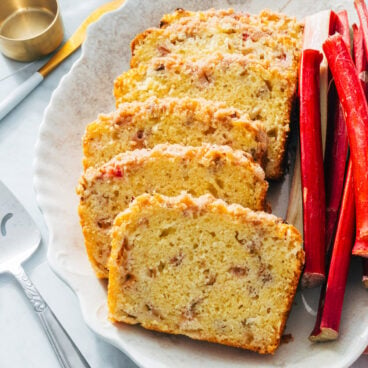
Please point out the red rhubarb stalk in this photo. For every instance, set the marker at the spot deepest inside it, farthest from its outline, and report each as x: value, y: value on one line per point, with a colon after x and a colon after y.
x: 342, y: 26
x: 355, y: 108
x: 362, y: 11
x: 332, y: 292
x: 316, y: 30
x: 337, y: 144
x: 311, y: 159
x: 360, y: 57
x: 328, y: 320
x: 361, y: 66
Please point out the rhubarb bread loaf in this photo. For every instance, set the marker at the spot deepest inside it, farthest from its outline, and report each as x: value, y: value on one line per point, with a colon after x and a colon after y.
x: 265, y: 93
x: 167, y: 169
x: 268, y: 37
x: 205, y: 269
x: 184, y: 121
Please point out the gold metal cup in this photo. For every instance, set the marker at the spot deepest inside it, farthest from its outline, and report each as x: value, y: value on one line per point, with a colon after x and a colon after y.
x: 29, y: 29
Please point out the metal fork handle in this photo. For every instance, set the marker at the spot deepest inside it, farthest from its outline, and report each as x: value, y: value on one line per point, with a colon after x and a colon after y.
x: 66, y: 351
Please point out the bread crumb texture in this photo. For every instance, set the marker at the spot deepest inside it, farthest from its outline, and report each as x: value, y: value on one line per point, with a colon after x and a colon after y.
x: 205, y: 269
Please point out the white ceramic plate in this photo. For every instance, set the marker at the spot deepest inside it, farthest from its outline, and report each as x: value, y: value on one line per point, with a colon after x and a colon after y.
x: 87, y: 91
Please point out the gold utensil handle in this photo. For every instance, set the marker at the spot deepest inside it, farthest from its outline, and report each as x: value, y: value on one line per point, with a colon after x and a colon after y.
x: 77, y: 38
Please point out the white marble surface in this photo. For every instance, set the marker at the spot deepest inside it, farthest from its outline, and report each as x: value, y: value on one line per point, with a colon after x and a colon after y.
x: 22, y: 342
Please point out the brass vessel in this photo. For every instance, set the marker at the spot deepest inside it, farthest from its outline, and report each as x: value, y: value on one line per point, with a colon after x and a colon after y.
x: 29, y: 29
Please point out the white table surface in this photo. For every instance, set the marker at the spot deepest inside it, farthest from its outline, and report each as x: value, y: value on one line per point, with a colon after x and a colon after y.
x: 22, y: 341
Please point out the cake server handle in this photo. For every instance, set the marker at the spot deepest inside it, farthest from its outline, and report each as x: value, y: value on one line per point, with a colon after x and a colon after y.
x: 20, y: 93
x: 66, y: 351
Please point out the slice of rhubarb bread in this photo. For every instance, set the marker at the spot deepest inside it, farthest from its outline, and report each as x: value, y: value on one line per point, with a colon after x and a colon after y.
x: 265, y: 93
x: 168, y: 169
x: 267, y: 37
x: 186, y: 121
x: 205, y: 269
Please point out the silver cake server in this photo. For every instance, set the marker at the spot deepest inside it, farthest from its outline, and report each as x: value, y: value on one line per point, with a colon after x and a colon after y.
x: 19, y: 238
